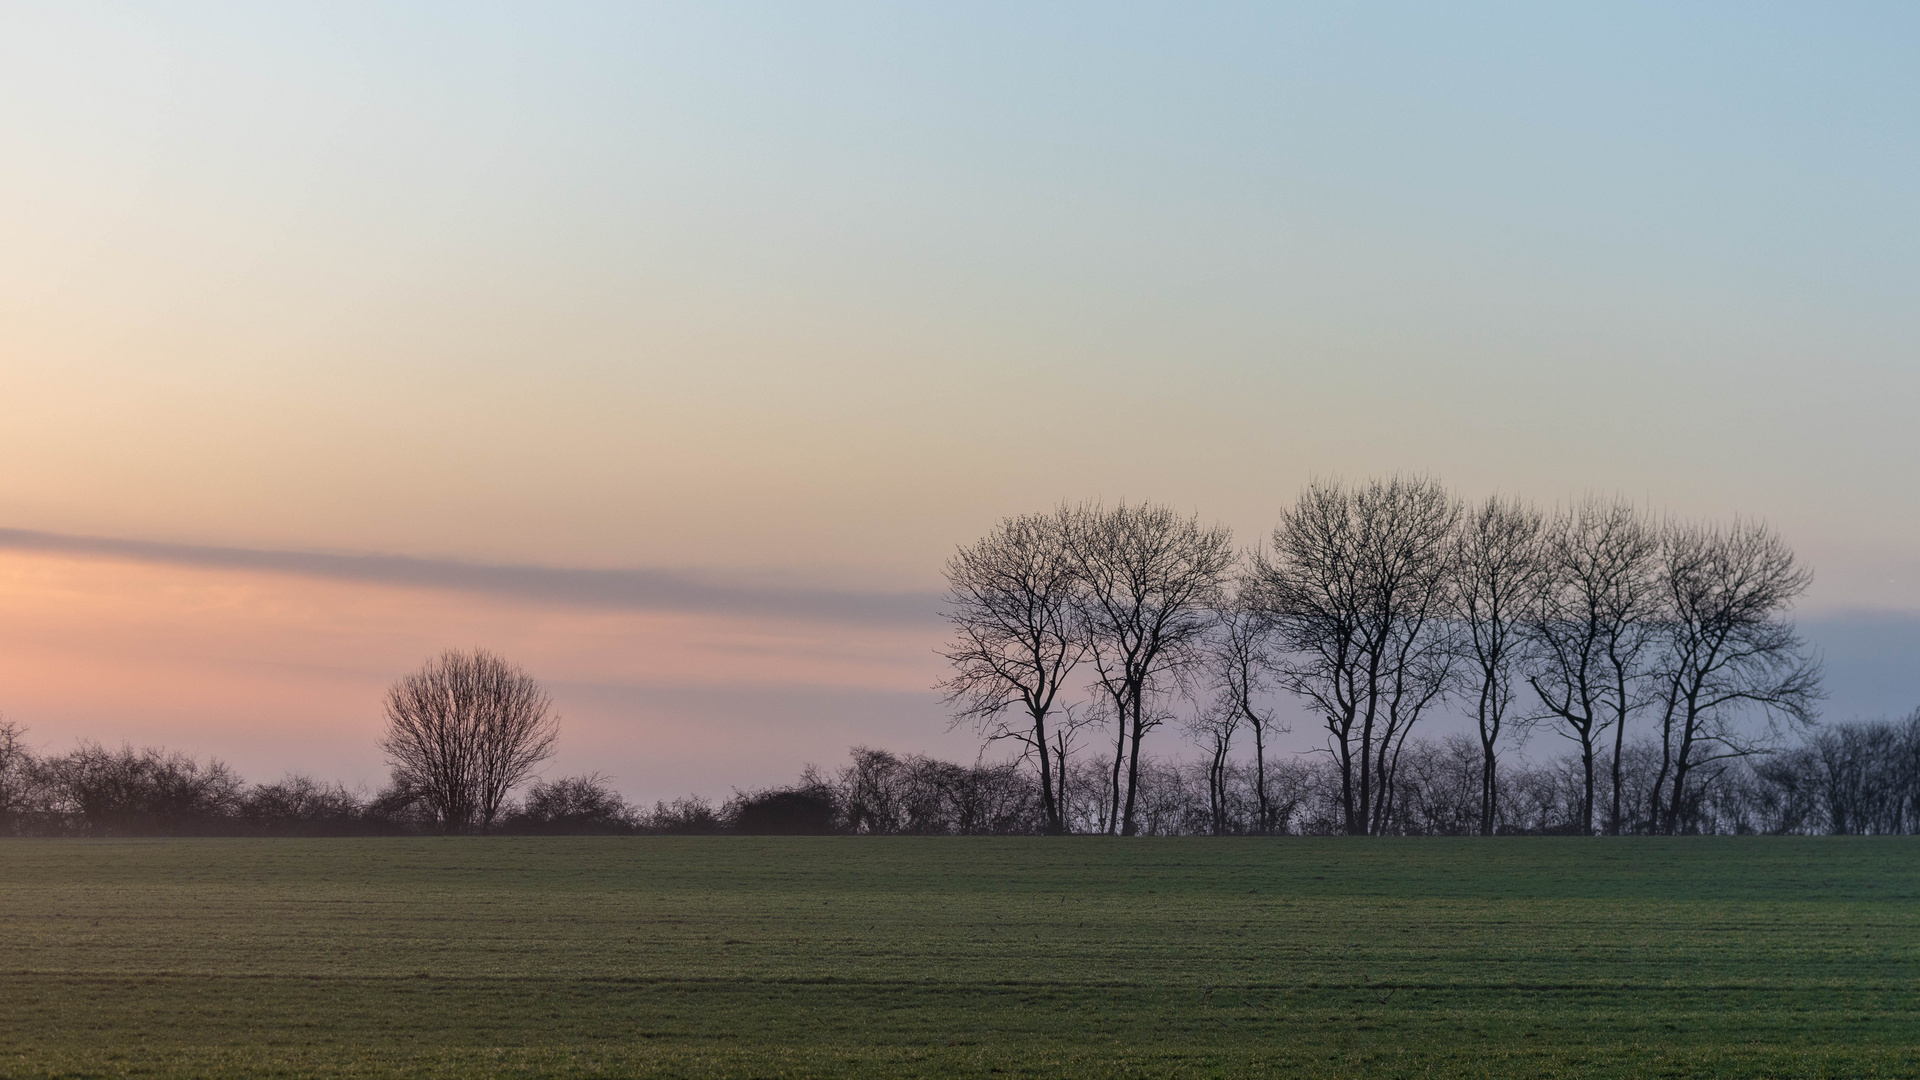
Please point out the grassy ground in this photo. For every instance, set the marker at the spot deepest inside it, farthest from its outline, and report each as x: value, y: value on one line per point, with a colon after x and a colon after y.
x: 886, y: 957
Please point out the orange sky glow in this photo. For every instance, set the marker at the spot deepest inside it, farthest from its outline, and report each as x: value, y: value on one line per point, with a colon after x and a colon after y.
x: 277, y: 672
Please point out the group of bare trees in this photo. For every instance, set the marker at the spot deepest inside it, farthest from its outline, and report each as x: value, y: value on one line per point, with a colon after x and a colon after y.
x: 1848, y: 779
x: 1373, y: 606
x: 1129, y: 593
x: 1660, y: 649
x: 1357, y: 591
x: 1855, y: 778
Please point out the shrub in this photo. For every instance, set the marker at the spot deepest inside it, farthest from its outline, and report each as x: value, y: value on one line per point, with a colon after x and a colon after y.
x: 691, y: 816
x: 808, y: 810
x: 573, y: 805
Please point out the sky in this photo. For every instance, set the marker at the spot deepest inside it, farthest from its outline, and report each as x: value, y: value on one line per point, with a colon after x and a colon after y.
x: 670, y: 350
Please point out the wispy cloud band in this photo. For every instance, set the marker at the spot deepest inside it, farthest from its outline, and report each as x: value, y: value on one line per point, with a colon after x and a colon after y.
x: 628, y: 589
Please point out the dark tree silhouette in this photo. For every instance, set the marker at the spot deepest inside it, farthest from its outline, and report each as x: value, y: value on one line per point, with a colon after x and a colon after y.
x: 16, y: 775
x: 463, y: 731
x: 1240, y: 659
x: 1590, y: 631
x: 1010, y: 601
x: 1150, y: 583
x: 1867, y: 776
x: 1358, y: 586
x: 1213, y: 727
x: 1727, y: 651
x: 1499, y: 566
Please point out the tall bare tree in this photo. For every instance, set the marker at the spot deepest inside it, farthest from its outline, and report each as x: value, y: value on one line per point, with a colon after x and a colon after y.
x: 1150, y: 583
x: 1010, y: 601
x: 464, y: 730
x: 1727, y: 652
x: 1358, y: 585
x: 1589, y: 632
x: 1500, y: 566
x: 1240, y: 658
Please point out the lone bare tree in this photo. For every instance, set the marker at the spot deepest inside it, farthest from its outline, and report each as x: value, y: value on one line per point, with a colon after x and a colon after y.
x: 1150, y: 583
x: 1728, y: 652
x: 1010, y: 601
x: 1358, y: 586
x: 1590, y: 630
x: 464, y: 730
x: 1499, y: 566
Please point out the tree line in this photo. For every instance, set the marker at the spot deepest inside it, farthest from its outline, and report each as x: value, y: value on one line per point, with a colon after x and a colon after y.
x: 1660, y: 650
x: 1374, y: 606
x: 463, y: 734
x: 1855, y: 779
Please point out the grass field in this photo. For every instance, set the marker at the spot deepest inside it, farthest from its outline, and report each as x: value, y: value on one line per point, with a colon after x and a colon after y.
x: 855, y: 956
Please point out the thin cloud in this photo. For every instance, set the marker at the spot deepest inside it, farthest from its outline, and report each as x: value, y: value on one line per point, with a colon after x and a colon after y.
x: 632, y: 590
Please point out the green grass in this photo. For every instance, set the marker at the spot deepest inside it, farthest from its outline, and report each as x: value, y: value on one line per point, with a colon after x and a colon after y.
x: 941, y: 957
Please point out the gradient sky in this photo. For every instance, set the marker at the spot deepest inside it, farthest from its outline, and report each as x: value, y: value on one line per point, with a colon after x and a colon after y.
x: 670, y: 350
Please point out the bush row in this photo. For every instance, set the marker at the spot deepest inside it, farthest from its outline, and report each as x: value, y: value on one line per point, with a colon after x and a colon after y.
x: 1844, y: 779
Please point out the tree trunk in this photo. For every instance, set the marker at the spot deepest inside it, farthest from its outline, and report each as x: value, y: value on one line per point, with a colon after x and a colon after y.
x: 1488, y: 736
x: 1488, y: 809
x: 1260, y: 777
x: 1364, y: 826
x: 1680, y: 769
x: 1586, y: 797
x: 1048, y: 803
x: 1060, y: 789
x: 1660, y: 778
x: 1346, y: 787
x: 1127, y: 827
x: 1614, y: 825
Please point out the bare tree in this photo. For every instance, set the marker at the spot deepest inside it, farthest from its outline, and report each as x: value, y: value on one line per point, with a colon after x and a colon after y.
x: 1150, y: 582
x: 1499, y: 568
x: 1212, y: 727
x: 1010, y: 601
x: 463, y: 731
x: 16, y: 773
x: 1357, y: 586
x: 1728, y: 652
x: 1066, y: 738
x: 1589, y: 631
x: 1240, y: 658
